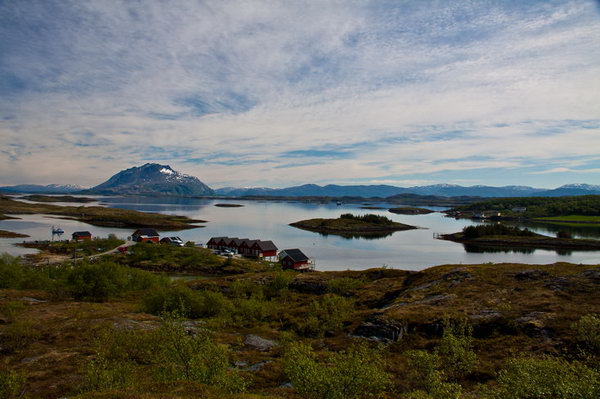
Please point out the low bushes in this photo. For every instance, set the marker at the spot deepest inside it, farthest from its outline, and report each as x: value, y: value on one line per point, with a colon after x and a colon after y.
x: 169, y: 354
x: 357, y: 373
x: 546, y: 377
x: 483, y: 230
x: 325, y: 314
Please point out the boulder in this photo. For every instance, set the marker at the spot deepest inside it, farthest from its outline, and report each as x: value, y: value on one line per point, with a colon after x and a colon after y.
x: 381, y: 329
x: 259, y: 343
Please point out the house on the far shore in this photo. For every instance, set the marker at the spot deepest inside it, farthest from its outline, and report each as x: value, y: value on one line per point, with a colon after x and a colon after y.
x: 294, y: 259
x: 81, y: 236
x: 145, y: 235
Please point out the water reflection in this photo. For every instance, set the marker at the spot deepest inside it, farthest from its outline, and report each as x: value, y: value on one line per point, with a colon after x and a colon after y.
x: 266, y: 220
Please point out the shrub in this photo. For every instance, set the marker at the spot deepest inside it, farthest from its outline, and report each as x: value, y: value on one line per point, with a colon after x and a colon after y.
x: 18, y: 335
x: 244, y: 289
x: 328, y: 313
x: 547, y: 377
x: 11, y: 272
x: 101, y: 374
x: 429, y: 379
x: 482, y: 230
x: 180, y: 299
x: 100, y: 281
x: 588, y: 332
x: 280, y: 283
x: 11, y: 384
x: 370, y: 218
x: 188, y: 357
x: 455, y: 350
x: 12, y: 310
x: 357, y: 373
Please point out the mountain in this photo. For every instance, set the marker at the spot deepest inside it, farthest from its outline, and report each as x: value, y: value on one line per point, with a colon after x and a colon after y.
x: 151, y: 178
x: 39, y: 189
x: 570, y: 189
x: 367, y: 191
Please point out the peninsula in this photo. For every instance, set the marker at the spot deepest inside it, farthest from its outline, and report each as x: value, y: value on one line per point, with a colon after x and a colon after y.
x: 100, y: 216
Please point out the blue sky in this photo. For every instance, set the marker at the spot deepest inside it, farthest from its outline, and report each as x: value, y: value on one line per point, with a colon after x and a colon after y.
x: 278, y: 93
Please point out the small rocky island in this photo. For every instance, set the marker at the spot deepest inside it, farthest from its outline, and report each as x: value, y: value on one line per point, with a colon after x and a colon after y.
x: 410, y: 210
x: 349, y: 225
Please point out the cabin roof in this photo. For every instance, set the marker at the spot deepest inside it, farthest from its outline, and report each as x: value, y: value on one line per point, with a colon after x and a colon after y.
x: 296, y: 255
x: 266, y: 245
x: 146, y: 231
x: 81, y: 234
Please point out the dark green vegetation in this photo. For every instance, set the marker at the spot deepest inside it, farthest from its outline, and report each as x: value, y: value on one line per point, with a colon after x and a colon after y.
x: 10, y: 234
x: 56, y: 198
x: 540, y: 207
x: 227, y: 205
x: 409, y: 210
x: 110, y: 330
x: 100, y: 216
x: 499, y: 235
x: 77, y: 248
x: 348, y: 225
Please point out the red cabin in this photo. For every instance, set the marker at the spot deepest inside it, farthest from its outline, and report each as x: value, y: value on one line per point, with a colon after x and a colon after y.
x: 213, y: 243
x: 263, y: 249
x: 293, y: 259
x: 145, y: 235
x: 82, y: 236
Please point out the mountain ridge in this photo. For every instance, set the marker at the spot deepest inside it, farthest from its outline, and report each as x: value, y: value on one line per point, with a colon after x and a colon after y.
x: 151, y: 179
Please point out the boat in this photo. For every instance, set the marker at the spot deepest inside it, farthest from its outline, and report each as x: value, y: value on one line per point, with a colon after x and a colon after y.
x: 339, y: 203
x: 57, y: 230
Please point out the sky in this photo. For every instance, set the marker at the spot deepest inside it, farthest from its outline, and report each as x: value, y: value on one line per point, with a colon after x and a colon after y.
x: 280, y: 93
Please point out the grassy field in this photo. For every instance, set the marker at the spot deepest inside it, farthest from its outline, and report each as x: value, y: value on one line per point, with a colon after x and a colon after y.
x: 100, y: 216
x: 571, y: 219
x: 107, y: 330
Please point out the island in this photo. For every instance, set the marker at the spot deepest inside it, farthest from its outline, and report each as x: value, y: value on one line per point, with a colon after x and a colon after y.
x: 226, y: 205
x: 348, y: 225
x: 491, y: 235
x: 56, y: 198
x: 100, y: 216
x: 410, y: 210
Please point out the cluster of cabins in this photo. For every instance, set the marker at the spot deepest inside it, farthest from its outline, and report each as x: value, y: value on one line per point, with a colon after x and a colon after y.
x: 289, y: 258
x: 140, y: 235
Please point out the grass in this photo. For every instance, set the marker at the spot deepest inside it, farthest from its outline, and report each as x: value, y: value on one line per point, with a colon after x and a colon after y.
x: 101, y: 216
x: 571, y: 219
x: 117, y: 349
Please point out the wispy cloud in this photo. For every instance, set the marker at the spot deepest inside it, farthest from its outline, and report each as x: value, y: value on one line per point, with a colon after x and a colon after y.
x: 277, y: 93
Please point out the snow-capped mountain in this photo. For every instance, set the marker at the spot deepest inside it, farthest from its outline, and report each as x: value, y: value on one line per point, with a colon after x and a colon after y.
x: 571, y: 189
x: 152, y: 178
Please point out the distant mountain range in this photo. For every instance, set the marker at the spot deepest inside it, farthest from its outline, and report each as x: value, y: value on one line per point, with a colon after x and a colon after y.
x: 156, y: 179
x: 151, y: 179
x: 442, y: 190
x: 39, y: 189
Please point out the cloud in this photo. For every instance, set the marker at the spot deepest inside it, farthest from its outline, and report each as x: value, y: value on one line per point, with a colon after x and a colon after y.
x: 279, y: 93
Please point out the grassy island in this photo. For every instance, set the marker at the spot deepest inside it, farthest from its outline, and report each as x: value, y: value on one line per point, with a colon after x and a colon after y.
x: 227, y: 205
x: 349, y: 225
x: 107, y: 330
x: 507, y: 236
x: 410, y: 210
x: 100, y: 216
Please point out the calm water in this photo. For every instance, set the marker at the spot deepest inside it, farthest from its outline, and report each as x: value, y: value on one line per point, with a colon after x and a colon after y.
x: 266, y: 220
